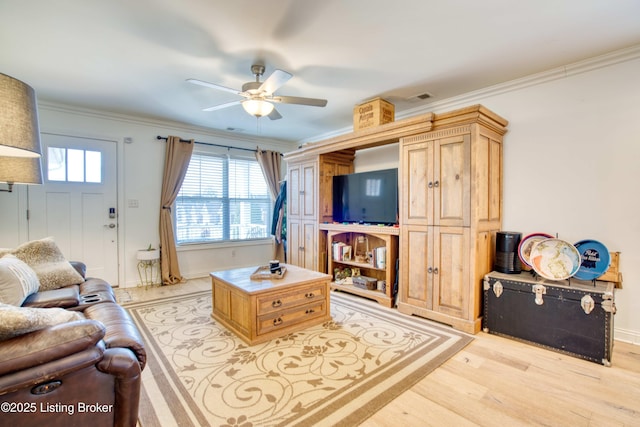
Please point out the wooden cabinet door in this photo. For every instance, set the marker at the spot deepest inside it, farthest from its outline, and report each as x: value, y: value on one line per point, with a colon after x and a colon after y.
x: 295, y: 241
x: 309, y: 248
x: 451, y: 181
x: 416, y: 202
x: 436, y: 180
x: 301, y: 242
x: 293, y: 191
x: 301, y: 187
x: 308, y: 192
x: 450, y: 271
x: 416, y: 284
x: 435, y: 269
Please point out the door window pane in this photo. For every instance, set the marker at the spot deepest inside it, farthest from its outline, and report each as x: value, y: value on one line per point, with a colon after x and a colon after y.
x: 74, y: 165
x: 94, y: 166
x: 56, y: 164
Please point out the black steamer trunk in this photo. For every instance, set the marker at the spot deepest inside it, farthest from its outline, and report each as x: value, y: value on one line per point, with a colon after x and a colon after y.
x: 570, y: 316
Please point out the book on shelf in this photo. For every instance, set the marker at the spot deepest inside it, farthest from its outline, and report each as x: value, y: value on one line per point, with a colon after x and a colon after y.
x: 341, y: 251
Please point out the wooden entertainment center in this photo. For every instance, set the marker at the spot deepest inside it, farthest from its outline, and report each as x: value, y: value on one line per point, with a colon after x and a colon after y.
x: 450, y: 203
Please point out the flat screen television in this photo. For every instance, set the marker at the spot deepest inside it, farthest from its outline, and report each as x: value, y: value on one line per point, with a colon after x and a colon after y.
x: 366, y: 197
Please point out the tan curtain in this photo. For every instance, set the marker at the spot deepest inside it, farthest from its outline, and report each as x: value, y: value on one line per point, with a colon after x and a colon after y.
x: 271, y: 164
x: 176, y: 162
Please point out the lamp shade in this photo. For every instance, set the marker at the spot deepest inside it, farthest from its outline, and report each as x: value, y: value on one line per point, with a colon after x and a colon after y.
x: 20, y: 170
x: 257, y: 107
x: 19, y: 130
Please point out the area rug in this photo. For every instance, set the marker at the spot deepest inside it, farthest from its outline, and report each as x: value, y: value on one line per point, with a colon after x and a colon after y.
x: 337, y: 373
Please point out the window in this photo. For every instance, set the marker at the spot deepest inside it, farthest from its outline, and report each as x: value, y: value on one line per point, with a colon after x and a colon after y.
x: 73, y: 165
x: 223, y: 198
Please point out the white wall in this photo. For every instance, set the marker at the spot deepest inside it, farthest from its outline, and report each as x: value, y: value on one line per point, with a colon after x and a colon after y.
x: 140, y: 166
x: 571, y: 158
x: 570, y: 167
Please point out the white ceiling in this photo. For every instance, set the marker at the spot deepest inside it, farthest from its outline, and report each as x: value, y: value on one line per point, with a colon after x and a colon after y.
x: 133, y: 56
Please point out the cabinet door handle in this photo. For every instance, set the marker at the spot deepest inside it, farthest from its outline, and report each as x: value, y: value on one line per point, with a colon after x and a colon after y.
x: 301, y: 248
x: 309, y: 295
x: 277, y: 321
x: 301, y: 193
x: 435, y: 270
x: 310, y: 311
x: 429, y: 270
x: 276, y: 303
x: 436, y: 184
x: 430, y: 184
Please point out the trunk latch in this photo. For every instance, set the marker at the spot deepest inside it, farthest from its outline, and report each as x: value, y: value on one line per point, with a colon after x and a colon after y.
x: 539, y: 290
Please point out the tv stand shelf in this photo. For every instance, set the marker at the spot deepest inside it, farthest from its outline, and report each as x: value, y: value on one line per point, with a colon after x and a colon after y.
x: 362, y: 228
x: 375, y: 237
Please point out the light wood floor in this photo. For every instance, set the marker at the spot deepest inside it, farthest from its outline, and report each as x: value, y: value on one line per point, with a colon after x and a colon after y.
x: 496, y: 381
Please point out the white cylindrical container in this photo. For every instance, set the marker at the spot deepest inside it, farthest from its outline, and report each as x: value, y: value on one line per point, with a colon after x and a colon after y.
x: 381, y: 257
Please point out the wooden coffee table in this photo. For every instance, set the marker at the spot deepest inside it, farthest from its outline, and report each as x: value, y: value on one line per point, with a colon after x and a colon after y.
x: 260, y: 310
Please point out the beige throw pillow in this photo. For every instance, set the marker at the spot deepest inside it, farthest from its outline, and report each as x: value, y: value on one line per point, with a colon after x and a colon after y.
x: 49, y: 264
x: 17, y: 280
x: 15, y: 321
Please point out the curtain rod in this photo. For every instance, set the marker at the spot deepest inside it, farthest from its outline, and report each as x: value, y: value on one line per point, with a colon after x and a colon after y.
x: 211, y: 144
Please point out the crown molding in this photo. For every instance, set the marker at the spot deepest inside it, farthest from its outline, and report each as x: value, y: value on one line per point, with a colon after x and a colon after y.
x: 475, y: 97
x: 163, y: 125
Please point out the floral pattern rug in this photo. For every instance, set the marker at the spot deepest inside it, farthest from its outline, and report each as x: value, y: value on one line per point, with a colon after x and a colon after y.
x: 337, y: 373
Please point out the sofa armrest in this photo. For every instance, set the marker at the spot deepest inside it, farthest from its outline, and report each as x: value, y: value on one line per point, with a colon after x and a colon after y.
x: 48, y: 344
x: 66, y: 297
x: 123, y: 365
x: 121, y: 331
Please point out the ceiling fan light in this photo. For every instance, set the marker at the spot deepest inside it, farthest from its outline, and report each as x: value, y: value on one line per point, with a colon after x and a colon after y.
x: 257, y: 107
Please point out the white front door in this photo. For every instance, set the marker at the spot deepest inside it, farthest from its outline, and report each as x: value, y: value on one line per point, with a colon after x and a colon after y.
x: 77, y: 205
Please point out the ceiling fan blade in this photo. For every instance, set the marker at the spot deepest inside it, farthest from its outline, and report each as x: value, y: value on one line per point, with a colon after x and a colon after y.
x: 275, y: 81
x: 213, y: 86
x: 314, y: 102
x: 274, y: 115
x: 221, y: 106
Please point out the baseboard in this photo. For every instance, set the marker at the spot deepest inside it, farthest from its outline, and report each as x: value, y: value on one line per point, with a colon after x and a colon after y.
x: 626, y: 335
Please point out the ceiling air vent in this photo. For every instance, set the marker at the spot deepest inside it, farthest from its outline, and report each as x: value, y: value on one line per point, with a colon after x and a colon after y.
x: 420, y: 97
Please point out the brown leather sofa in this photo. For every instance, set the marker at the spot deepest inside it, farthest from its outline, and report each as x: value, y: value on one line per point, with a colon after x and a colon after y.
x: 81, y: 373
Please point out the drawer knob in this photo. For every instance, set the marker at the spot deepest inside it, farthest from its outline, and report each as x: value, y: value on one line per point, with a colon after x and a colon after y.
x: 309, y: 295
x: 310, y: 311
x: 276, y: 303
x: 277, y: 321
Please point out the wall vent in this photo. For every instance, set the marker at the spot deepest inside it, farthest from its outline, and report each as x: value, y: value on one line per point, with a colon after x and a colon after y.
x: 420, y: 97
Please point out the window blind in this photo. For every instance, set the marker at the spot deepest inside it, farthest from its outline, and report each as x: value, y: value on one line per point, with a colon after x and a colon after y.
x: 223, y: 198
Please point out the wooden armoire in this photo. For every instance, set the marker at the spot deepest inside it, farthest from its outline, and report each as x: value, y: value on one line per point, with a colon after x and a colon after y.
x: 450, y: 207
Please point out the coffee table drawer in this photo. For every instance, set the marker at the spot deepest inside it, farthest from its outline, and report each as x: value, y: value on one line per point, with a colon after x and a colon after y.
x: 291, y: 317
x: 298, y: 296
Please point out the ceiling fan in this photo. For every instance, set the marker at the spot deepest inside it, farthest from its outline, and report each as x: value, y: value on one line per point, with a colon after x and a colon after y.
x: 259, y: 96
